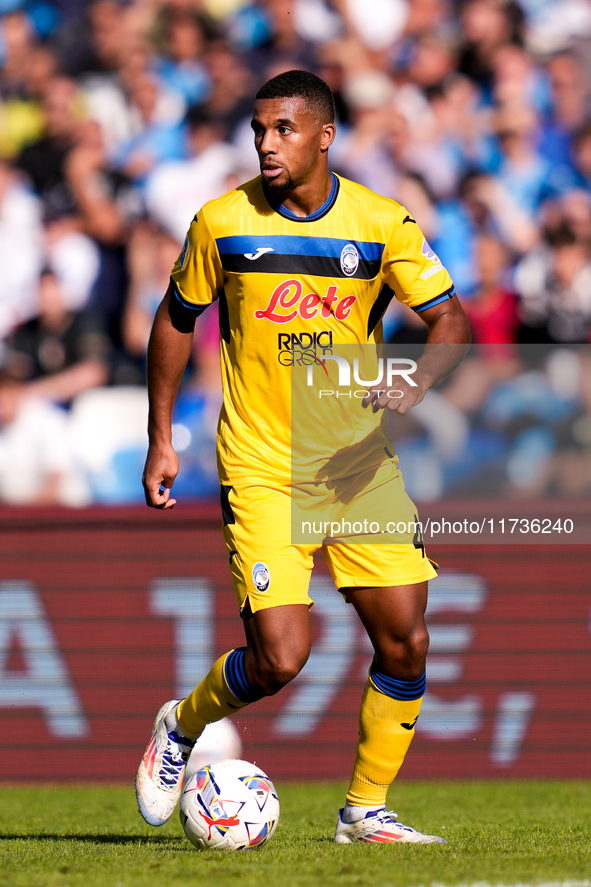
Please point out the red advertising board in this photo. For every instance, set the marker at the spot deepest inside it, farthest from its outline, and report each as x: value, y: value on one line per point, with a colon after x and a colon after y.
x: 105, y: 614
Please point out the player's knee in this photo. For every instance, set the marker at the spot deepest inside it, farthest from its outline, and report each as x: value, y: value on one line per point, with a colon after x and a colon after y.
x: 273, y: 674
x: 418, y: 643
x: 405, y: 656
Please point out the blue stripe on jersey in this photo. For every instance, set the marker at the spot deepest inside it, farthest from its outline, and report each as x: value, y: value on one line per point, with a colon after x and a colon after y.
x: 435, y: 301
x: 294, y: 245
x: 404, y: 690
x: 198, y: 309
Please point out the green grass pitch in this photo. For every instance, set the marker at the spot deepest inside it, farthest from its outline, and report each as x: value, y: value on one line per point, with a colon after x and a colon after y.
x: 498, y: 832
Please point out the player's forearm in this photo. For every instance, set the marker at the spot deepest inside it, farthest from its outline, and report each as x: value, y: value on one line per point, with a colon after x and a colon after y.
x: 169, y: 350
x: 447, y: 344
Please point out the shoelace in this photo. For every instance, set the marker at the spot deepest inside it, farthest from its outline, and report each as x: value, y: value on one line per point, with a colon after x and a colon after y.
x: 173, y: 762
x: 389, y: 816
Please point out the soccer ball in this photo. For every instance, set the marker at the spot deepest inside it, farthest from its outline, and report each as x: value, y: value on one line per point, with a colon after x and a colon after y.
x: 230, y: 805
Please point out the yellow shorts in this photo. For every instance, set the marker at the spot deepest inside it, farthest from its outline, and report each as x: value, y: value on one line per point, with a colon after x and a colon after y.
x: 269, y: 570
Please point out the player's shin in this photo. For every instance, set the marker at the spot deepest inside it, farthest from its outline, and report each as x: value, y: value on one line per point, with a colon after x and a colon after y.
x: 224, y: 691
x: 389, y: 711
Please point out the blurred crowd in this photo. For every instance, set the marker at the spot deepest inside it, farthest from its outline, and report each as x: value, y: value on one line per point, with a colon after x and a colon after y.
x: 120, y: 118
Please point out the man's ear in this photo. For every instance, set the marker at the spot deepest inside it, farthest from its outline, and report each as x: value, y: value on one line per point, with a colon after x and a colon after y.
x: 328, y: 134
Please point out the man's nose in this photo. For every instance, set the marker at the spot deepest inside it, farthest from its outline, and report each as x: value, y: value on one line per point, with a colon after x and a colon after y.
x: 268, y: 143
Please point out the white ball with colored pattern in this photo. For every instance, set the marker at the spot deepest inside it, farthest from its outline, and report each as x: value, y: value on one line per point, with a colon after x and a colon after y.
x: 230, y: 805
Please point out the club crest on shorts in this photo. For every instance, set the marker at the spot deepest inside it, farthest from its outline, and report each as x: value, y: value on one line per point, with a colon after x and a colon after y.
x: 349, y: 259
x: 261, y: 576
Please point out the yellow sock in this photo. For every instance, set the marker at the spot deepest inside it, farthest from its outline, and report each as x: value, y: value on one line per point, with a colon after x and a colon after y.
x: 383, y: 743
x: 210, y: 701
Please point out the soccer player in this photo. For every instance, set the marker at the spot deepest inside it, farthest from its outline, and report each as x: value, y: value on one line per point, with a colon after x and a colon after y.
x: 297, y: 249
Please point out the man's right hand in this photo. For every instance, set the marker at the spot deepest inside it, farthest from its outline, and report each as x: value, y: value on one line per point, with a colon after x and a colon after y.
x: 161, y: 469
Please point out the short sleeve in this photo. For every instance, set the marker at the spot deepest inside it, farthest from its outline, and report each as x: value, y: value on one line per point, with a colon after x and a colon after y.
x: 197, y: 276
x: 412, y: 269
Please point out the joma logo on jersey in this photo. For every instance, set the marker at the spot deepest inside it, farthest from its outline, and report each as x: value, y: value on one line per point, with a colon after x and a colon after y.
x: 303, y: 348
x: 287, y: 302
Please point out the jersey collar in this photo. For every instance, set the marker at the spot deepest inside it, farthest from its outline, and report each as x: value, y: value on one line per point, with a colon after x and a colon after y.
x: 322, y: 211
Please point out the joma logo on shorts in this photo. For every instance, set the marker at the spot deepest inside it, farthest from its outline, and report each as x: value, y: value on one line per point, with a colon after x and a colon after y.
x: 287, y: 302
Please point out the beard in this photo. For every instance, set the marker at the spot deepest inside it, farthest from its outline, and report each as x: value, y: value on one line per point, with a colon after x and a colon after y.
x: 277, y: 188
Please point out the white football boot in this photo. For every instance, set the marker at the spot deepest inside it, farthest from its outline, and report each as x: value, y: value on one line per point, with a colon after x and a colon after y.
x: 380, y: 827
x: 159, y: 779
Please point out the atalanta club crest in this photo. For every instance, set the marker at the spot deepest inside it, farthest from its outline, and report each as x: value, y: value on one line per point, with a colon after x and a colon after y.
x: 261, y: 576
x: 349, y: 260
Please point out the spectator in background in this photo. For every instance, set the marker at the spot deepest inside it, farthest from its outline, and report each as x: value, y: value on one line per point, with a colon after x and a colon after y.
x: 44, y: 160
x: 431, y: 62
x: 554, y: 287
x: 575, y: 206
x: 284, y: 47
x: 492, y: 207
x: 18, y: 41
x: 522, y: 172
x: 362, y: 153
x: 434, y: 150
x: 37, y: 464
x: 58, y: 353
x: 25, y: 70
x: 106, y: 43
x: 518, y: 83
x: 175, y: 191
x: 426, y: 17
x: 151, y: 255
x: 484, y: 207
x: 155, y: 116
x: 110, y: 35
x: 106, y: 205
x: 74, y: 258
x: 492, y: 310
x: 487, y: 25
x: 569, y: 108
x: 229, y: 98
x: 582, y: 156
x: 102, y: 197
x: 571, y: 210
x: 180, y: 66
x: 21, y: 257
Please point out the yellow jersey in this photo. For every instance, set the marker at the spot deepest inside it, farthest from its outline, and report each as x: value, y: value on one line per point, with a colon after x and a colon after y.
x: 290, y: 289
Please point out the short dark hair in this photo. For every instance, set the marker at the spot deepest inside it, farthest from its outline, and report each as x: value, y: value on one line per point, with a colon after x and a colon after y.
x: 302, y: 84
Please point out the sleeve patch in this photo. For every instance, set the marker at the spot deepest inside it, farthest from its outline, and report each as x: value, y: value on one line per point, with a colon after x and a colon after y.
x: 183, y: 255
x: 429, y: 254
